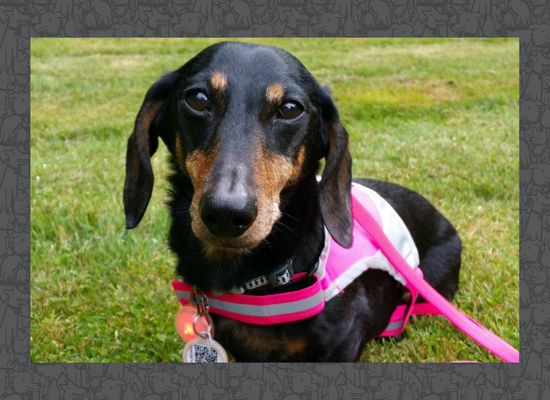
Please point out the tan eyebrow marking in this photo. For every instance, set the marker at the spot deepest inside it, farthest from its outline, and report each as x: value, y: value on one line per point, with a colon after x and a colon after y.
x: 274, y: 93
x: 218, y: 80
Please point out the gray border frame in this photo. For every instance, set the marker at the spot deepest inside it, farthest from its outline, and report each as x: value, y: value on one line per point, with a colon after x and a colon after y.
x: 529, y: 20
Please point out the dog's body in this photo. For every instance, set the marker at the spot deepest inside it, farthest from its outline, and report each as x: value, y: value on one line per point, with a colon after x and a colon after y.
x: 246, y: 127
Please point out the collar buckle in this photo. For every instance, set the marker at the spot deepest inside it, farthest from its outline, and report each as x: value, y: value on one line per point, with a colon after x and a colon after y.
x: 279, y: 279
x: 281, y: 276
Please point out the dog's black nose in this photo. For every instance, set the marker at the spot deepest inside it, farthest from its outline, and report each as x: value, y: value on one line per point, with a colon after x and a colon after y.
x: 228, y: 215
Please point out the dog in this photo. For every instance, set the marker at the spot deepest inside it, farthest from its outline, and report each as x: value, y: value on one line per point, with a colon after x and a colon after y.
x: 247, y: 126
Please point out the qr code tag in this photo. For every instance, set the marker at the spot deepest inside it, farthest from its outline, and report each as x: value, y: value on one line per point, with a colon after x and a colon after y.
x: 204, y: 350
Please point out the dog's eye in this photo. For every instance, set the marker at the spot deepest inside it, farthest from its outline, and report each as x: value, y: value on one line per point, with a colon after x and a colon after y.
x: 198, y: 100
x: 290, y: 110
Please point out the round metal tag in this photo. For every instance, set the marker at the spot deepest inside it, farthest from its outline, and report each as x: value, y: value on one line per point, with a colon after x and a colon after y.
x: 204, y: 350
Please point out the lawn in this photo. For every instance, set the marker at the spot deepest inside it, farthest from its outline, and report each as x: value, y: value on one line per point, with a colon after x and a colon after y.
x: 439, y: 116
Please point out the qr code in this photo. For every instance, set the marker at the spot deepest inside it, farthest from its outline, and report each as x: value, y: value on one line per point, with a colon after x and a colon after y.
x: 205, y: 354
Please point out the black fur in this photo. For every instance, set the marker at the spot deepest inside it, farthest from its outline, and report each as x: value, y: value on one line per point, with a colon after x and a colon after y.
x: 238, y: 121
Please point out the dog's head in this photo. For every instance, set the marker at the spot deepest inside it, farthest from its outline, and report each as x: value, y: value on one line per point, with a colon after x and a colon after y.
x: 244, y: 123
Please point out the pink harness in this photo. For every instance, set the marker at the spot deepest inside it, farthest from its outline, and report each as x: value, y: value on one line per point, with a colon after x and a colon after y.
x: 380, y: 241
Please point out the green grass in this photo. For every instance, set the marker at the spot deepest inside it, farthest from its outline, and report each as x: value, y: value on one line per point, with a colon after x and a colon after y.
x: 439, y: 116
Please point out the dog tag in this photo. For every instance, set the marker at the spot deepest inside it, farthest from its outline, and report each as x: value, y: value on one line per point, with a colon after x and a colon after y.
x: 204, y: 350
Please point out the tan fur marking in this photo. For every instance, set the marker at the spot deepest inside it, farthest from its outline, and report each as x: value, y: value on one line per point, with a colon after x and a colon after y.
x: 297, y: 165
x: 272, y: 173
x: 179, y: 152
x: 198, y: 165
x: 218, y: 80
x: 261, y: 341
x: 295, y: 346
x: 258, y: 340
x: 275, y: 93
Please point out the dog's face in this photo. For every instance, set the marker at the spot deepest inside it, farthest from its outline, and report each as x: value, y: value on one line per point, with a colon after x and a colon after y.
x: 244, y: 123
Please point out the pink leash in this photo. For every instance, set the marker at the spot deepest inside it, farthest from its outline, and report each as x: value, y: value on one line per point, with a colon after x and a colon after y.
x: 466, y: 324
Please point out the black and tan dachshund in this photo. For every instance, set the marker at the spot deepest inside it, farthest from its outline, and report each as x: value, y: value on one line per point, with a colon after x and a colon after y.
x: 247, y: 126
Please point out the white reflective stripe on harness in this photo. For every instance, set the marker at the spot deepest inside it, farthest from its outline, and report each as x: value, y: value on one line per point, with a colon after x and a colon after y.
x: 393, y: 326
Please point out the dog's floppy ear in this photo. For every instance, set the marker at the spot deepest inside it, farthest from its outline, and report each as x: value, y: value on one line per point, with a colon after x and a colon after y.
x: 335, y: 185
x: 142, y: 144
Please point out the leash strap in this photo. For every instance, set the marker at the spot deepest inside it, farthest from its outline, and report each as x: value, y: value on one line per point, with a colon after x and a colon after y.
x: 466, y: 324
